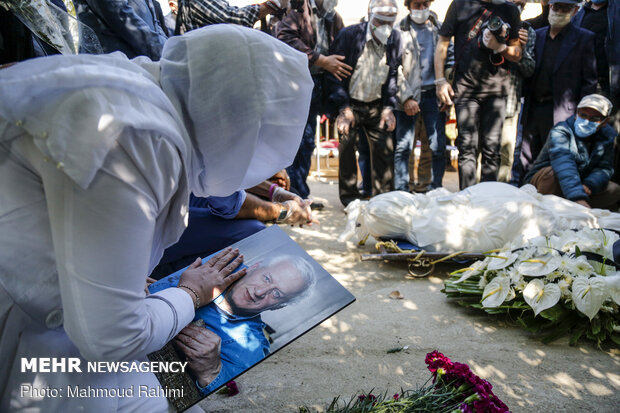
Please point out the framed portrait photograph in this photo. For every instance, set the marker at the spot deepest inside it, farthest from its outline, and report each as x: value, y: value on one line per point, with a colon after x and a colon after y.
x: 284, y: 294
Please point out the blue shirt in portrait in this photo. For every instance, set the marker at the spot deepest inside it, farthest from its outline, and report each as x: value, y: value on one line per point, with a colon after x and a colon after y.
x: 243, y: 340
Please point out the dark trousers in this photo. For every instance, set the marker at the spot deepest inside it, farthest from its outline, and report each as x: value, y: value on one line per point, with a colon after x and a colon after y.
x: 479, y: 121
x: 546, y: 182
x: 536, y: 126
x: 300, y: 168
x: 367, y: 119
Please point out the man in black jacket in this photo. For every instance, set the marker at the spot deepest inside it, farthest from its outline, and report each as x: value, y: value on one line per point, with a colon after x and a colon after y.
x: 565, y: 72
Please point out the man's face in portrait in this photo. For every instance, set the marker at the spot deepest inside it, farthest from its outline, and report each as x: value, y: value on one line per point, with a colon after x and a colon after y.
x: 265, y: 288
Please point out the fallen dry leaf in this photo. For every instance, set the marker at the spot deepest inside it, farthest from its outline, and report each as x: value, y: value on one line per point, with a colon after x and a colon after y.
x: 395, y: 295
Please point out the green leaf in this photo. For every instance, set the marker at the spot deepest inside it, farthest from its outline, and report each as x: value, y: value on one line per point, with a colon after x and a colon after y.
x: 577, y: 335
x: 596, y: 325
x: 555, y: 313
x: 577, y: 251
x: 615, y: 338
x: 608, y: 324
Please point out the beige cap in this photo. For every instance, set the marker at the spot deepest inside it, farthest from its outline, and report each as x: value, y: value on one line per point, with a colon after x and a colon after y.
x: 597, y: 102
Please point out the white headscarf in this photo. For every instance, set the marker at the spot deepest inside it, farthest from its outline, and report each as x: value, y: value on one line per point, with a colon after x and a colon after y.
x: 233, y: 100
x: 248, y: 118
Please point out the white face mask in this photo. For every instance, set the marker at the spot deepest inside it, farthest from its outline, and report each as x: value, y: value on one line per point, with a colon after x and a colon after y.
x: 558, y: 20
x: 498, y: 1
x: 420, y: 16
x: 382, y: 33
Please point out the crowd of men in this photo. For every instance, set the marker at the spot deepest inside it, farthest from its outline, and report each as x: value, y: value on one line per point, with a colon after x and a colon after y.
x: 510, y: 81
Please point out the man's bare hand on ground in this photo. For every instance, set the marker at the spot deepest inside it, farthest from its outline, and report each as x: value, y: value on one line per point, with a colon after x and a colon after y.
x: 201, y: 346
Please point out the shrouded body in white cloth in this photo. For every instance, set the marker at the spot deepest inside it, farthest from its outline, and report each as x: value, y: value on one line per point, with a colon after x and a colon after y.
x: 480, y: 218
x: 98, y: 155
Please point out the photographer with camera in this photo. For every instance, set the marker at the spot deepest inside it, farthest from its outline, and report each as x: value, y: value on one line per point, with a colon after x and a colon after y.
x: 486, y: 36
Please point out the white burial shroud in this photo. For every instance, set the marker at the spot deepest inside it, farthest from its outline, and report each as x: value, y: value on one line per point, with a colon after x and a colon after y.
x: 480, y: 218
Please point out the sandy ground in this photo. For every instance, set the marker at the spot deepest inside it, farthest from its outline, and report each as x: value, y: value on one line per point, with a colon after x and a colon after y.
x: 347, y: 355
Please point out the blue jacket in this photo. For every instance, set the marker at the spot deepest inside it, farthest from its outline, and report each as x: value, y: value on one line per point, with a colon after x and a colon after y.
x: 573, y: 163
x: 135, y: 27
x: 574, y: 73
x: 350, y: 43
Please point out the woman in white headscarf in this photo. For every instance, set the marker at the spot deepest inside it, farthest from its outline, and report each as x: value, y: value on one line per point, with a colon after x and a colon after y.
x: 98, y: 155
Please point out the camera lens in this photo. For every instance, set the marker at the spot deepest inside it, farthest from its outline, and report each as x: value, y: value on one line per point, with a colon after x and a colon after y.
x: 495, y: 24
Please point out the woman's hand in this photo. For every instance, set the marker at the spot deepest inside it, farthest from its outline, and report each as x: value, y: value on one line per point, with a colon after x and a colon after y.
x: 210, y: 279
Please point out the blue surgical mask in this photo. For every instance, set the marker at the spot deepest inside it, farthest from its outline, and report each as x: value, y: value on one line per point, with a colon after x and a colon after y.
x: 585, y: 128
x: 599, y: 1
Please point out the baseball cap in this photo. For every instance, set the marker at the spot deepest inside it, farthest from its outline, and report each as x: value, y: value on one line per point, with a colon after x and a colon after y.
x: 597, y: 102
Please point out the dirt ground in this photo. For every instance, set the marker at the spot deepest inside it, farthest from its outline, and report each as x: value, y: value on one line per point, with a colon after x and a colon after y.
x: 346, y: 355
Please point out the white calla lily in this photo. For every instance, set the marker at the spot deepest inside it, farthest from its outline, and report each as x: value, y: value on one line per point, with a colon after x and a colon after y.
x: 501, y: 260
x: 539, y: 266
x: 579, y: 266
x: 589, y: 294
x: 613, y: 286
x: 540, y: 241
x: 476, y: 268
x: 541, y: 296
x: 495, y: 292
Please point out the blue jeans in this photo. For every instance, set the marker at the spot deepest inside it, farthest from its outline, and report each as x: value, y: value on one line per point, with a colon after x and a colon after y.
x: 434, y: 122
x: 300, y: 168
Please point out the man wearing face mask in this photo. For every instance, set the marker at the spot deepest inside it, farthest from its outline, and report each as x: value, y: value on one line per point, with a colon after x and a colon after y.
x: 312, y: 32
x: 419, y: 32
x: 481, y: 79
x: 366, y: 99
x: 565, y: 72
x: 577, y: 160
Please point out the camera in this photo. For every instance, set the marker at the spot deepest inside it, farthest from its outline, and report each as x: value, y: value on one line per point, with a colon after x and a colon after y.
x: 496, y: 26
x: 297, y: 5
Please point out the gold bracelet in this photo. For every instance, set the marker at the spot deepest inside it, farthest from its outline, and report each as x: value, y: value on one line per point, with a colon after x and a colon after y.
x: 197, y: 303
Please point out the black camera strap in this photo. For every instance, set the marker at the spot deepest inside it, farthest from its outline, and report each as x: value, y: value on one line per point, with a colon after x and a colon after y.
x: 475, y: 29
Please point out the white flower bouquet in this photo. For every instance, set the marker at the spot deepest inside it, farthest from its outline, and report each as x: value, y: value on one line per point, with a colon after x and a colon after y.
x: 567, y: 283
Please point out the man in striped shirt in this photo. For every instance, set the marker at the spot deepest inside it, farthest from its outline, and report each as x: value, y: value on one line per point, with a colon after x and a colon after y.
x: 194, y: 14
